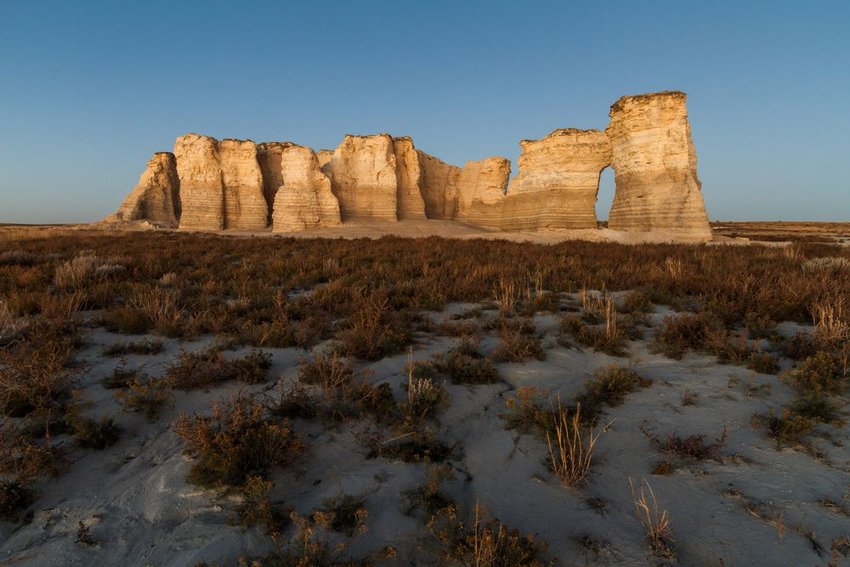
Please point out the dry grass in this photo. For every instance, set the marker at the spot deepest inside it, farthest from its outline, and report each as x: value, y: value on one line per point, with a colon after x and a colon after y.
x: 237, y: 442
x: 571, y: 448
x: 655, y: 521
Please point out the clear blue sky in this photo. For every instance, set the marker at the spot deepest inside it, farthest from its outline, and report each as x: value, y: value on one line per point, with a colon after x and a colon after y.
x: 88, y: 90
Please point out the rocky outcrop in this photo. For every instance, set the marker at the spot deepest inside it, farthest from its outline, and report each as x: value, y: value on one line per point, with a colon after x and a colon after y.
x: 438, y: 186
x: 563, y: 170
x: 201, y: 187
x: 156, y: 196
x: 409, y: 202
x: 655, y: 167
x: 304, y: 199
x: 236, y: 184
x: 480, y: 185
x: 269, y: 157
x: 324, y: 157
x: 364, y: 179
x: 245, y: 206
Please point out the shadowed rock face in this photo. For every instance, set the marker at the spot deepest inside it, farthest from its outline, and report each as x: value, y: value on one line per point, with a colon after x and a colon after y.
x: 269, y: 157
x: 304, y: 199
x: 156, y: 196
x: 201, y: 187
x: 409, y: 202
x: 438, y: 185
x: 363, y: 177
x: 655, y: 167
x: 212, y: 185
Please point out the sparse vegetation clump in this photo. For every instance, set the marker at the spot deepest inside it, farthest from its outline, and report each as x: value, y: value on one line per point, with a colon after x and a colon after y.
x: 209, y: 368
x: 145, y: 346
x: 487, y: 543
x: 609, y: 387
x: 237, y: 442
x: 145, y: 395
x: 655, y: 521
x: 518, y: 342
x: 465, y: 365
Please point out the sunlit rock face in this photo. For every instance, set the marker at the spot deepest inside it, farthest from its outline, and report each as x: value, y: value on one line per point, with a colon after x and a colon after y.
x: 236, y: 184
x: 409, y: 201
x: 201, y: 186
x: 304, y: 199
x: 156, y: 196
x: 245, y: 206
x: 655, y: 167
x: 364, y: 179
x: 563, y: 170
x: 480, y: 185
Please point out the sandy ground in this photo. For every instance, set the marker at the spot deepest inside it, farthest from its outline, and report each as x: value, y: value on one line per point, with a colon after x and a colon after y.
x: 406, y: 229
x: 140, y: 510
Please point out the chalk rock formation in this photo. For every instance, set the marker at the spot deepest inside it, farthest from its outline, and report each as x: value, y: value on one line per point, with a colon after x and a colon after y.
x: 269, y: 156
x: 655, y: 167
x: 211, y: 185
x: 364, y: 179
x: 244, y: 204
x: 409, y: 202
x: 480, y: 185
x: 438, y: 186
x: 324, y: 157
x: 156, y: 196
x: 564, y: 168
x: 304, y: 198
x: 201, y: 187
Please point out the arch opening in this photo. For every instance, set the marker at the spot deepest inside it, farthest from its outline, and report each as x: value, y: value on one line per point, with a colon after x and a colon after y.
x: 604, y: 195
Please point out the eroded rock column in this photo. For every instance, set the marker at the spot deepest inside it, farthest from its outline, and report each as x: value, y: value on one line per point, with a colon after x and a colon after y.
x: 245, y: 206
x: 156, y: 196
x: 561, y: 173
x: 304, y: 199
x: 438, y: 186
x: 655, y: 168
x: 409, y: 202
x: 201, y: 187
x: 364, y: 179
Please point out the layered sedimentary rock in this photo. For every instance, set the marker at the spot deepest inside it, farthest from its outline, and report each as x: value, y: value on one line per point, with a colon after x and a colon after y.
x: 269, y: 157
x: 655, y: 167
x: 563, y: 170
x: 304, y: 199
x: 409, y: 202
x: 480, y: 185
x: 364, y: 179
x: 201, y: 187
x: 438, y: 186
x: 212, y: 185
x: 245, y: 206
x: 156, y: 196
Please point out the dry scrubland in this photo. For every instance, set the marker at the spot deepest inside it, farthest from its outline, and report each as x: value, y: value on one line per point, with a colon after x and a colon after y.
x: 179, y: 399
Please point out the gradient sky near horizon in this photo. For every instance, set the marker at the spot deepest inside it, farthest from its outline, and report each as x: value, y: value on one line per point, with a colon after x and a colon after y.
x: 88, y: 90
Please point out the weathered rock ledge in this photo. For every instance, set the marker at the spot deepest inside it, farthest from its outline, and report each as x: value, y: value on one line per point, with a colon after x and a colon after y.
x: 213, y: 185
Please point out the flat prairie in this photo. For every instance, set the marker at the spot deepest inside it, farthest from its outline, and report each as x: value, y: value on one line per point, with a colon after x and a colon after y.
x: 172, y: 398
